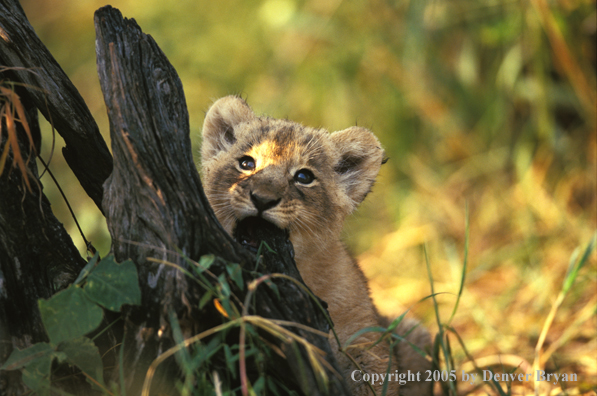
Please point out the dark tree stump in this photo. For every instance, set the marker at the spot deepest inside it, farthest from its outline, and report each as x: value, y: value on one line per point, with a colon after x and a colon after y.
x: 37, y: 256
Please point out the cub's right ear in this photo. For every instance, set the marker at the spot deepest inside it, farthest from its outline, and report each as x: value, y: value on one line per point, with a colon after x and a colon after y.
x: 220, y: 120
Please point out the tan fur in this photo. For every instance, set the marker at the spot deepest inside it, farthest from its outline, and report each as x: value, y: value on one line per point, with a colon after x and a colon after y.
x: 345, y: 165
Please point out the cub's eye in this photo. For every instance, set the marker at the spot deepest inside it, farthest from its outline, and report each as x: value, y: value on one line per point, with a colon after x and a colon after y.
x: 246, y: 163
x: 304, y: 176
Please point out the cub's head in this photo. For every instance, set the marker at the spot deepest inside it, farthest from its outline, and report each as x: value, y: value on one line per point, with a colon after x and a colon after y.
x: 301, y: 179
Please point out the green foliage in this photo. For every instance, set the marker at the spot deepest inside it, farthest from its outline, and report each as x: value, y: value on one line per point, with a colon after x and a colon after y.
x: 83, y: 353
x: 70, y: 314
x: 36, y: 362
x: 576, y: 265
x: 112, y: 284
x: 210, y: 362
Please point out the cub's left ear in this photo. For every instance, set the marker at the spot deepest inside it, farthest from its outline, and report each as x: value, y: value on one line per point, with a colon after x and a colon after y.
x: 219, y: 132
x: 360, y: 157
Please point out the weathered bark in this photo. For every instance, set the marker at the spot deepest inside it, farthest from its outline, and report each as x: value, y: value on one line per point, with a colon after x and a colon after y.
x: 155, y: 204
x: 37, y: 256
x: 56, y: 97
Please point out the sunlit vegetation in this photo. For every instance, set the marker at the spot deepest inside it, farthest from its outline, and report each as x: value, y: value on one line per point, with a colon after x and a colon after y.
x: 488, y: 105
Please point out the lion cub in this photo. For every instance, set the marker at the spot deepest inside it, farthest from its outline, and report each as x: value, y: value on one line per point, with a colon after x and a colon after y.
x: 306, y: 181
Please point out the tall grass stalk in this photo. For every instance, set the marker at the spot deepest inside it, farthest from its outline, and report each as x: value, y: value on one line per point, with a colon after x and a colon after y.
x: 574, y: 267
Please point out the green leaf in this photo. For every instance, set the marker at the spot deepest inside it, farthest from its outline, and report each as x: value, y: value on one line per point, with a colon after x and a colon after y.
x: 88, y: 268
x: 372, y: 329
x: 224, y: 286
x: 395, y: 323
x: 182, y: 356
x: 236, y: 274
x: 111, y: 284
x: 207, y: 297
x: 273, y: 286
x: 37, y: 375
x: 205, y: 262
x: 204, y: 352
x: 21, y: 358
x: 83, y: 353
x: 36, y: 362
x: 464, y: 262
x: 69, y: 314
x: 575, y: 266
x: 259, y: 385
x: 230, y: 360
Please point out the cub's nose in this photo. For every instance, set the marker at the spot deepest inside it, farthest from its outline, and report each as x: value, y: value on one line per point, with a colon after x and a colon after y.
x: 263, y: 203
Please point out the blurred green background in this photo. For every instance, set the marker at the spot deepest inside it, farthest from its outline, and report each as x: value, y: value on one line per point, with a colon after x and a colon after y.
x: 487, y: 103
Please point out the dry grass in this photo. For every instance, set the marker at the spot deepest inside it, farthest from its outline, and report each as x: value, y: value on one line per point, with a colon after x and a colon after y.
x: 524, y: 227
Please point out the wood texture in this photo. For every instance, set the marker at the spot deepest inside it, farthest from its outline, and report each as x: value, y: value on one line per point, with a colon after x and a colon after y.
x: 37, y: 256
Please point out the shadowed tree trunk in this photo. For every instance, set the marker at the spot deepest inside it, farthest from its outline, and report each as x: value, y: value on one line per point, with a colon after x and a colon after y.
x: 155, y: 207
x: 37, y: 256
